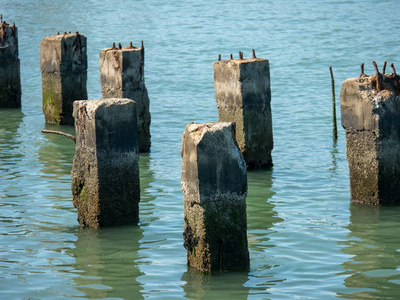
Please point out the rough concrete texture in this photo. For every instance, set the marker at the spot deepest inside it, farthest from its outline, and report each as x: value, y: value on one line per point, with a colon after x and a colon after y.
x: 214, y: 185
x: 122, y: 76
x: 105, y: 173
x: 63, y: 62
x: 243, y: 95
x: 10, y: 80
x: 371, y: 118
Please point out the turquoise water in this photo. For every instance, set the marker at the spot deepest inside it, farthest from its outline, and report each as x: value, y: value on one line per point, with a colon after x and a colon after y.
x: 305, y: 238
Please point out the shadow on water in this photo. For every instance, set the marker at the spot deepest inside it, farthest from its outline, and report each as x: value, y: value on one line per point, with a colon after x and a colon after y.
x: 261, y: 218
x: 374, y: 243
x: 105, y: 262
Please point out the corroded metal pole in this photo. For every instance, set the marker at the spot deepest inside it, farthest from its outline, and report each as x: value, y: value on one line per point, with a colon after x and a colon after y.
x: 335, y: 134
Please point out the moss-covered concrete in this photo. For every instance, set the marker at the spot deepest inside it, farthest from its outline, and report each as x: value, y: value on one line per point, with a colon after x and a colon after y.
x: 105, y: 180
x: 214, y: 185
x: 122, y: 76
x: 371, y: 118
x: 243, y: 95
x: 63, y: 63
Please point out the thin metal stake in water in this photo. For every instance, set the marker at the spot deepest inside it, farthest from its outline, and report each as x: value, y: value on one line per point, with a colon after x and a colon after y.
x: 335, y: 135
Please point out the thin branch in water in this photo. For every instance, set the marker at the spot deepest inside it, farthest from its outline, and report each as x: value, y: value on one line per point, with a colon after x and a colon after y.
x: 60, y: 133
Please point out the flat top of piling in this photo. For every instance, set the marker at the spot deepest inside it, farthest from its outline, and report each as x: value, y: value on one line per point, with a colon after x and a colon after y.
x: 107, y: 101
x: 123, y: 49
x: 241, y: 61
x: 62, y: 36
x: 210, y: 126
x: 198, y: 130
x: 389, y: 83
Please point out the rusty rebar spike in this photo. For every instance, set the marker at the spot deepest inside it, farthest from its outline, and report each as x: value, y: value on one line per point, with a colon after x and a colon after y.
x: 362, y: 74
x: 113, y: 46
x: 130, y: 44
x: 58, y: 33
x: 219, y: 57
x: 231, y: 57
x: 376, y: 67
x: 77, y: 33
x: 65, y: 32
x: 119, y: 46
x: 240, y: 55
x: 384, y: 68
x: 141, y: 45
x: 378, y: 76
x: 394, y: 70
x: 254, y: 53
x: 69, y: 32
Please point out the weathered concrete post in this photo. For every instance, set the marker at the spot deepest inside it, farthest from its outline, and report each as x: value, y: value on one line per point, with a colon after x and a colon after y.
x: 122, y: 76
x: 63, y: 62
x: 105, y: 173
x: 243, y: 95
x: 370, y: 108
x: 214, y: 185
x: 10, y: 81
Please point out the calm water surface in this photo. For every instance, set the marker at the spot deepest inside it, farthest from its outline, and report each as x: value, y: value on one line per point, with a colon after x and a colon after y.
x: 305, y: 238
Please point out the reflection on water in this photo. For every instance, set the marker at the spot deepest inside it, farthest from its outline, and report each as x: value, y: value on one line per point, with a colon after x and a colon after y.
x: 300, y: 257
x: 105, y: 262
x: 205, y: 286
x: 374, y: 243
x: 10, y: 120
x: 261, y: 215
x: 334, y: 154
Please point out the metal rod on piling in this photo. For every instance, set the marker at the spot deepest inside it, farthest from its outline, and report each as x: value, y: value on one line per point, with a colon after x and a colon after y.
x: 335, y: 134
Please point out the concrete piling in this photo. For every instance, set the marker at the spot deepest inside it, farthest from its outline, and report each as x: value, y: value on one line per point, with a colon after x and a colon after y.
x: 63, y: 62
x: 214, y: 185
x: 243, y: 95
x: 105, y: 173
x: 122, y: 76
x: 10, y: 81
x: 370, y: 109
